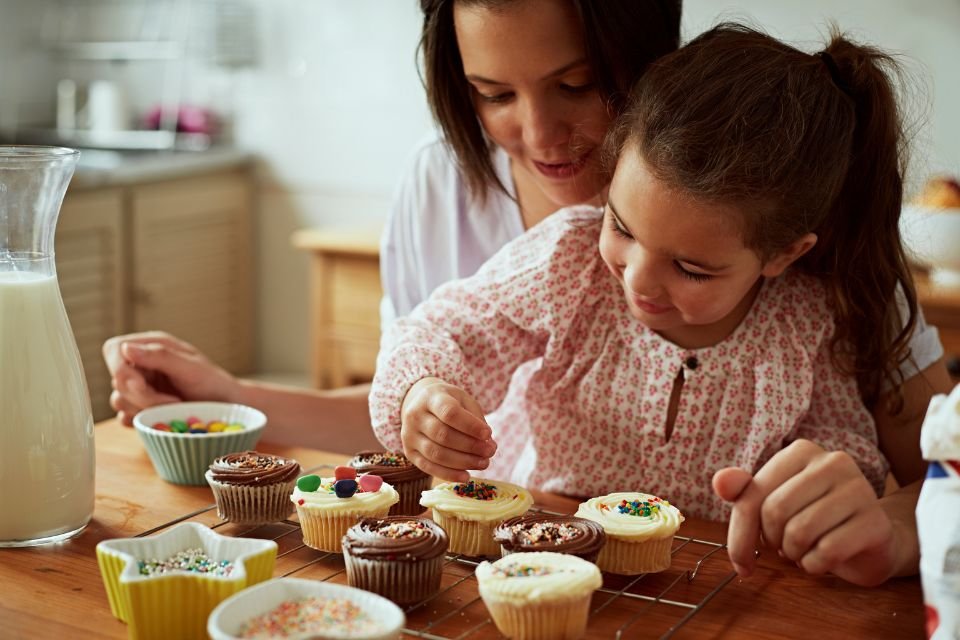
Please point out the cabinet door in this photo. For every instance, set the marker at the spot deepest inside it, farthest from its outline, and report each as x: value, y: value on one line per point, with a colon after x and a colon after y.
x: 89, y: 255
x: 192, y: 269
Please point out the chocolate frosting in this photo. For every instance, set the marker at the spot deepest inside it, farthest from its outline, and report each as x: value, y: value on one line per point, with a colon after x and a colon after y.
x: 392, y: 466
x: 402, y: 538
x: 250, y: 467
x: 541, y: 532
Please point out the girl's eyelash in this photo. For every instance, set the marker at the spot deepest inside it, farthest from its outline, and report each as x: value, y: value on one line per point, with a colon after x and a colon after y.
x: 618, y: 230
x: 696, y: 277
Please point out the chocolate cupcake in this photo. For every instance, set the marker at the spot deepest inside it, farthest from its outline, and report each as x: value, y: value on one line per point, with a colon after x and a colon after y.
x: 252, y: 487
x: 561, y: 534
x: 398, y: 557
x: 400, y: 473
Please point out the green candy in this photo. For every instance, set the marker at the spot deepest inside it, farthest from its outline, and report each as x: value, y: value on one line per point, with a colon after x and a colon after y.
x: 309, y: 483
x: 179, y: 426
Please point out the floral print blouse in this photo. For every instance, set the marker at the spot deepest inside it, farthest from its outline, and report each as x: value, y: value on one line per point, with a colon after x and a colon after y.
x: 593, y: 417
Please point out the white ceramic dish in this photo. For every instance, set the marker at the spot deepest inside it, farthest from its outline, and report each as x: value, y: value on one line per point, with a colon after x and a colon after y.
x: 227, y: 620
x: 932, y: 239
x: 183, y: 458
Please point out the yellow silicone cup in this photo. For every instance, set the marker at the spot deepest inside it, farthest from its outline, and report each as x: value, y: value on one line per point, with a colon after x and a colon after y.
x: 177, y: 604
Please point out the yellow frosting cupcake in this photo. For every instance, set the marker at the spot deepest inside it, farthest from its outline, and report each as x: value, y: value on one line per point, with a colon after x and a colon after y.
x: 639, y: 527
x: 470, y: 511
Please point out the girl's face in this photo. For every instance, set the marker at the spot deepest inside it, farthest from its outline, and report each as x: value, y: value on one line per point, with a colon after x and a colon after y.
x: 535, y: 94
x: 685, y: 271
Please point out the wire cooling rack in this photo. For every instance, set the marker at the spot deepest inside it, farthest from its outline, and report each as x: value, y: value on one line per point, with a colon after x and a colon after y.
x: 654, y: 605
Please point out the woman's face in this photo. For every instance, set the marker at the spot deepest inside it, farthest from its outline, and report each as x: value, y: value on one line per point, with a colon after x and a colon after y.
x: 535, y: 94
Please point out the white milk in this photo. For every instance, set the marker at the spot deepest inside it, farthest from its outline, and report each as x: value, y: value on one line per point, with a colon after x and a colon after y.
x: 46, y: 428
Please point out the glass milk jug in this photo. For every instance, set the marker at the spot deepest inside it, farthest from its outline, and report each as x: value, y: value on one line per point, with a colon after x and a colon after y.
x: 46, y: 427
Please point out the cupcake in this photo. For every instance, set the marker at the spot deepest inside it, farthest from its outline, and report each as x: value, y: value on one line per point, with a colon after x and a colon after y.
x: 560, y: 534
x: 639, y: 527
x: 398, y: 557
x: 470, y: 511
x: 251, y: 487
x: 400, y: 473
x: 540, y: 595
x: 327, y: 507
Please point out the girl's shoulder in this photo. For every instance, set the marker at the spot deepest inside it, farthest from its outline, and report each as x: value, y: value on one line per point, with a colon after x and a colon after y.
x: 798, y: 302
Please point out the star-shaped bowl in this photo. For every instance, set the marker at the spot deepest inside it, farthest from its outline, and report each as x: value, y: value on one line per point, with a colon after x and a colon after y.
x: 176, y: 604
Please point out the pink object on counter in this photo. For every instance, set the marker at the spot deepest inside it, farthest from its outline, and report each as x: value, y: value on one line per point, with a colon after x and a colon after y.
x: 190, y: 119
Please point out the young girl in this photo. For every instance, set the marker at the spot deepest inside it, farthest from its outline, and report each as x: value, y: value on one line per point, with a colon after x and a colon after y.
x: 741, y: 308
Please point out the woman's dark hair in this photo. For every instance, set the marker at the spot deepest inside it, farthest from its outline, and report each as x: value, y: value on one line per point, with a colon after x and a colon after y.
x: 621, y: 38
x: 801, y: 143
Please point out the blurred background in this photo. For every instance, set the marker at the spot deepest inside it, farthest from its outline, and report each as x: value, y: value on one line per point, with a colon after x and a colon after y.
x: 239, y: 155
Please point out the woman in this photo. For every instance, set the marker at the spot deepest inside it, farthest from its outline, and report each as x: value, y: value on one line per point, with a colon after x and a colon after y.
x: 524, y: 91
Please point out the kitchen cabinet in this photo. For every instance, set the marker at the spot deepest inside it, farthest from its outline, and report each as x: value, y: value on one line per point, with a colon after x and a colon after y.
x: 345, y: 294
x: 172, y: 255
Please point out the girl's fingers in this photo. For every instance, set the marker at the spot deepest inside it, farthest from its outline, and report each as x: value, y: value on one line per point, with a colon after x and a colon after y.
x: 450, y: 411
x: 804, y: 530
x: 450, y: 438
x: 743, y: 533
x: 438, y: 454
x: 791, y: 500
x: 436, y: 470
x: 859, y: 550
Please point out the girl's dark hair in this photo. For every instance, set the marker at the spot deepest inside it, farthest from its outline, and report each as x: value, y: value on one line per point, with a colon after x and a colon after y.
x: 801, y: 143
x: 621, y: 38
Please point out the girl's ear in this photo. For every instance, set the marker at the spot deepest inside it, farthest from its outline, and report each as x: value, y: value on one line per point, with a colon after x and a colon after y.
x: 779, y: 263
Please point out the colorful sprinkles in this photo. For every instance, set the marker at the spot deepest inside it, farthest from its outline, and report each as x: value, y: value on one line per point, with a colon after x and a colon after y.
x: 641, y: 508
x: 476, y: 490
x: 521, y: 571
x: 544, y: 533
x: 311, y: 615
x: 196, y: 425
x: 188, y: 561
x: 385, y: 459
x: 401, y: 530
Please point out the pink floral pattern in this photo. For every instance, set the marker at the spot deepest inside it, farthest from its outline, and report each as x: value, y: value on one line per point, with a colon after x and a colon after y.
x: 590, y: 400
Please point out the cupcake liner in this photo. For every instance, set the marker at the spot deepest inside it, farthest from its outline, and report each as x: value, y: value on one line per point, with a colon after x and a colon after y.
x: 468, y: 537
x: 410, y: 491
x: 324, y: 531
x: 402, y: 582
x: 632, y: 558
x: 229, y: 617
x: 564, y: 619
x: 248, y: 504
x: 176, y: 605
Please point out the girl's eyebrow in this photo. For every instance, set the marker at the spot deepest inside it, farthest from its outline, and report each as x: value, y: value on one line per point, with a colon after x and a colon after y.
x: 700, y: 264
x: 553, y: 74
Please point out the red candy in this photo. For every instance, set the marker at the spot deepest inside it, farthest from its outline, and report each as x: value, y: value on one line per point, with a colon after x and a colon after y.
x: 370, y: 483
x: 193, y: 420
x: 344, y: 473
x: 162, y: 427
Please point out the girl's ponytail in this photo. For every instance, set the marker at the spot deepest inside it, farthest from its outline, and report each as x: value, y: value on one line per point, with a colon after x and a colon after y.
x: 859, y: 254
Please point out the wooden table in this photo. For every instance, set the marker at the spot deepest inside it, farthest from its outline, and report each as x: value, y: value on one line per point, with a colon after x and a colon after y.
x: 56, y: 592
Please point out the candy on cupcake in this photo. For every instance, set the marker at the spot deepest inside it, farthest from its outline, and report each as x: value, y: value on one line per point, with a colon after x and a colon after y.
x: 400, y: 473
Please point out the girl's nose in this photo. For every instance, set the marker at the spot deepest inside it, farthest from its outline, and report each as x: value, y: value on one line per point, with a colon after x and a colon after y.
x: 543, y: 125
x: 640, y: 275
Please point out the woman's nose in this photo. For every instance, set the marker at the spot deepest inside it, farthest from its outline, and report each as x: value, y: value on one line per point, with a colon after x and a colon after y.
x: 543, y: 125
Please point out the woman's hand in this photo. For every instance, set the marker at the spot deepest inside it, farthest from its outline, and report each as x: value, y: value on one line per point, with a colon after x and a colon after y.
x: 816, y: 508
x: 443, y: 430
x: 155, y: 367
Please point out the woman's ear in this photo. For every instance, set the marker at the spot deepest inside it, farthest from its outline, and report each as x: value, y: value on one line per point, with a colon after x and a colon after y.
x: 779, y: 263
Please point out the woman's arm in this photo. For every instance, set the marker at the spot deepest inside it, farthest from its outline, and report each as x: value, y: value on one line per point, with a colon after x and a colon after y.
x: 899, y: 437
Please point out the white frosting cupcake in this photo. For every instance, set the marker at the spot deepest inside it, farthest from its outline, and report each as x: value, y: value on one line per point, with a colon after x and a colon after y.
x: 325, y: 517
x: 470, y: 511
x: 539, y: 594
x: 639, y: 527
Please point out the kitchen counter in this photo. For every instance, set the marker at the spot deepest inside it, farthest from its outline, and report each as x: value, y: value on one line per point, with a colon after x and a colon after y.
x: 56, y: 591
x: 106, y: 168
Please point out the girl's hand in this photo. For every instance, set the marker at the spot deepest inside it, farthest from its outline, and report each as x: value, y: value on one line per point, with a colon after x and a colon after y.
x: 153, y: 368
x: 443, y: 430
x: 816, y: 508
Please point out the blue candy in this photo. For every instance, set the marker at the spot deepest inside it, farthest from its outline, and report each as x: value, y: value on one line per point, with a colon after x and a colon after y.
x: 345, y: 488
